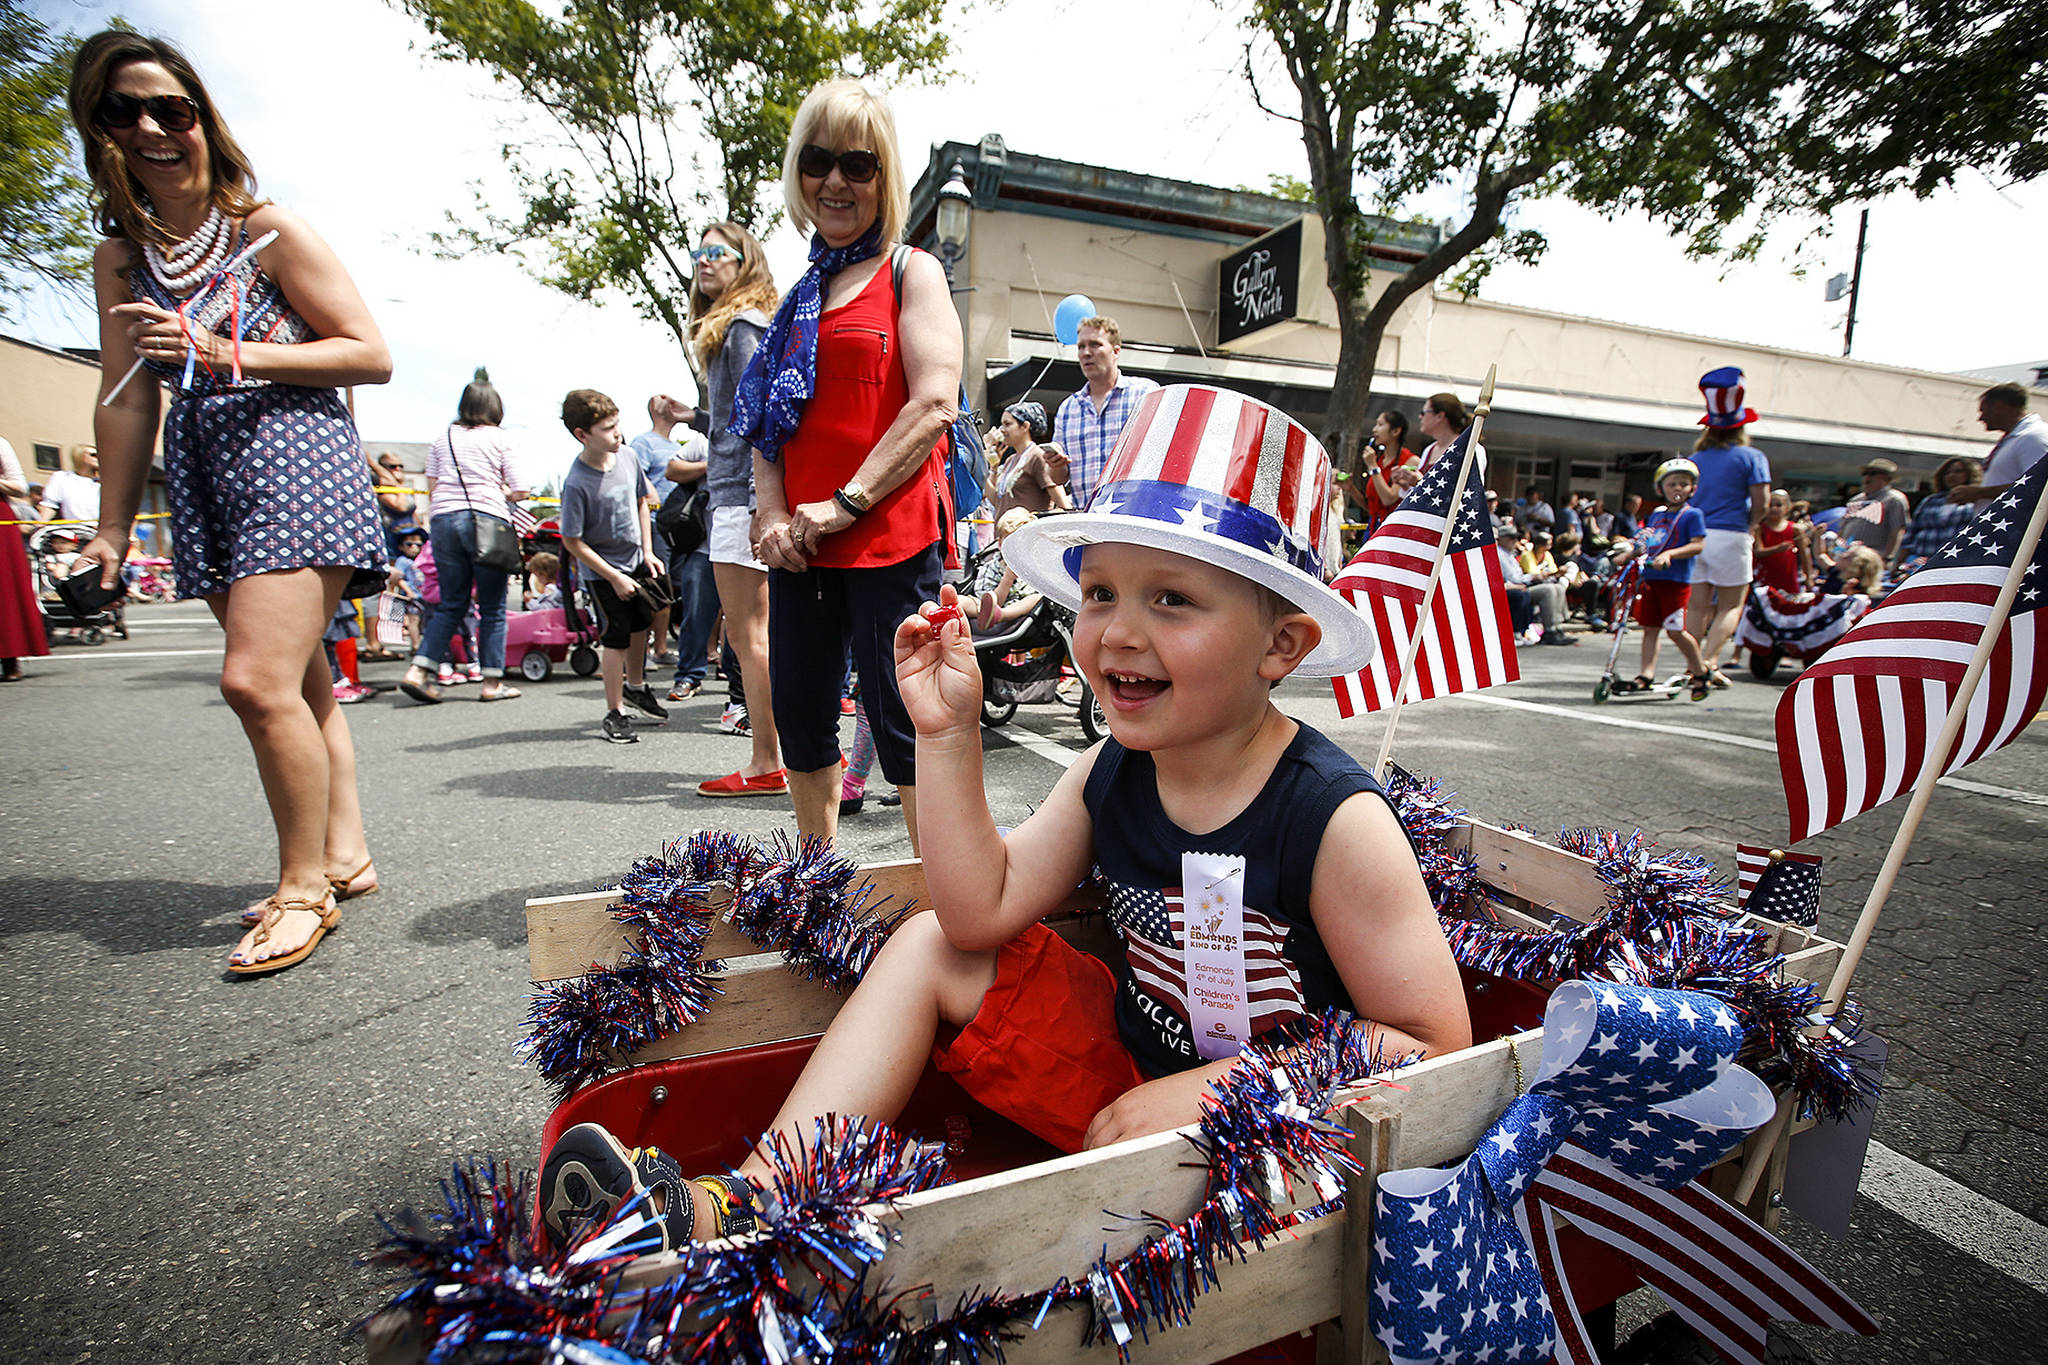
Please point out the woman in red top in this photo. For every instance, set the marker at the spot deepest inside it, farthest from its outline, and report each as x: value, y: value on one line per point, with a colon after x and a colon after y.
x: 848, y: 403
x: 1393, y: 471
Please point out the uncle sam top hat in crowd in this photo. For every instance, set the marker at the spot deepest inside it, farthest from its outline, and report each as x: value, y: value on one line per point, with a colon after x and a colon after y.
x: 1218, y: 477
x: 1723, y: 391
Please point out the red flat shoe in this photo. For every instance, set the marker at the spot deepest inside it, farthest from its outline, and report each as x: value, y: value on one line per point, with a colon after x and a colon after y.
x: 733, y: 784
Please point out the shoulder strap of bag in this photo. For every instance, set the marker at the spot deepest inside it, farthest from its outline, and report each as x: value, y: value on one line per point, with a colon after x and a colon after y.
x: 456, y: 463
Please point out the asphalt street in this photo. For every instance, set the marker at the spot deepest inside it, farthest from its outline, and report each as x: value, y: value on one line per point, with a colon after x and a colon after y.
x: 192, y: 1163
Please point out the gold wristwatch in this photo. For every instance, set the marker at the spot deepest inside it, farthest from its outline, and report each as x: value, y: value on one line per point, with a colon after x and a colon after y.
x: 853, y: 497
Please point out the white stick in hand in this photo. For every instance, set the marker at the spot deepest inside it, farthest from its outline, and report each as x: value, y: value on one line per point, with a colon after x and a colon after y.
x: 244, y: 254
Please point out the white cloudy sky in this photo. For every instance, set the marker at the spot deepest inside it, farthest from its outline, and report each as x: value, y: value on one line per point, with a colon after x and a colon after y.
x: 353, y: 126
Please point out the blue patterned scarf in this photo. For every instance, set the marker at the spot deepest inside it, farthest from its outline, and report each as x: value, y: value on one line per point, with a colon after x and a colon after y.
x: 770, y: 399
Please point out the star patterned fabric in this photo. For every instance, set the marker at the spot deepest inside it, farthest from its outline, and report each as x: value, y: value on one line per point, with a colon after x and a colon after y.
x: 1637, y: 1085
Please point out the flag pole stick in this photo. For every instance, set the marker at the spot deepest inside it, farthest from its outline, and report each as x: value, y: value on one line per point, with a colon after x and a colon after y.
x: 1931, y: 767
x: 1436, y: 570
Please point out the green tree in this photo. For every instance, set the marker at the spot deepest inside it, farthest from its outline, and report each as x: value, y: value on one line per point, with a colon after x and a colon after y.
x: 45, y: 225
x: 1717, y: 117
x: 645, y: 94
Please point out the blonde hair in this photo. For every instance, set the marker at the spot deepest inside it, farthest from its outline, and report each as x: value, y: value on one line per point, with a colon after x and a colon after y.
x: 1014, y: 519
x: 847, y: 116
x: 1713, y: 438
x: 1862, y: 568
x: 752, y: 287
x: 118, y: 199
x: 1107, y: 326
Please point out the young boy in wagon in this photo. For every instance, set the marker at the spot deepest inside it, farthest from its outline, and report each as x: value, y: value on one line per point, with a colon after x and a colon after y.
x: 1255, y: 871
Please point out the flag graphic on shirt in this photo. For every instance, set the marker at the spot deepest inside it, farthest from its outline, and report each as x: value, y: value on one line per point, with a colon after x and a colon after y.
x: 1153, y: 926
x: 1853, y: 729
x: 1467, y: 642
x: 1786, y: 890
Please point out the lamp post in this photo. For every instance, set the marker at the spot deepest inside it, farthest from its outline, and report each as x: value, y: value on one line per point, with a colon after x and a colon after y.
x: 955, y: 203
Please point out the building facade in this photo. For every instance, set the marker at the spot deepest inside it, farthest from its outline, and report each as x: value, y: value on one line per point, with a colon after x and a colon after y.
x: 1226, y: 287
x: 47, y: 399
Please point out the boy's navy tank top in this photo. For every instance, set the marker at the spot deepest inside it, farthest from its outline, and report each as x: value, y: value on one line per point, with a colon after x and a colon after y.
x: 1138, y: 855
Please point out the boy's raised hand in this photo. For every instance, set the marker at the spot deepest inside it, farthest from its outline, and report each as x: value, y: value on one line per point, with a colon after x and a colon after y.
x: 935, y: 668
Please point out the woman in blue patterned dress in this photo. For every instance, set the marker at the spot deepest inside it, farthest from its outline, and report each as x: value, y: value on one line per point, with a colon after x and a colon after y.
x: 272, y: 516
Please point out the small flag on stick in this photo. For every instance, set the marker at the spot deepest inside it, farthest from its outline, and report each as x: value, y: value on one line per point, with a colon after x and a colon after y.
x: 1778, y: 885
x: 1467, y: 643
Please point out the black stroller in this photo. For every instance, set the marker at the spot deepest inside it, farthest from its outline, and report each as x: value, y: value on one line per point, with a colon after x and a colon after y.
x: 1025, y: 661
x: 1024, y: 664
x: 52, y: 549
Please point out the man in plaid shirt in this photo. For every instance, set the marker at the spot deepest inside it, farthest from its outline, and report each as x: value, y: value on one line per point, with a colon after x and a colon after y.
x: 1093, y: 416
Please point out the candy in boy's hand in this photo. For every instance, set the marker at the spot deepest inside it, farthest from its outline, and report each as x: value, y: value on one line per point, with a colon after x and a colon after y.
x: 940, y: 615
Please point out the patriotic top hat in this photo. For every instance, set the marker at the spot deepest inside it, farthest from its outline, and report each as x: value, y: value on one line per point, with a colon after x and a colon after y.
x: 1218, y: 477
x: 1723, y: 391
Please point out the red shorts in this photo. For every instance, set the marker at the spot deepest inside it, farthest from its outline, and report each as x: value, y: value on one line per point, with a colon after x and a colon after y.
x: 1043, y: 1050
x: 1660, y: 604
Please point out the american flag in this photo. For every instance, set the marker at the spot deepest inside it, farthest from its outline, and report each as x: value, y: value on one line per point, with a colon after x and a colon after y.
x: 1154, y: 929
x: 1786, y: 889
x: 1854, y: 728
x: 1468, y: 642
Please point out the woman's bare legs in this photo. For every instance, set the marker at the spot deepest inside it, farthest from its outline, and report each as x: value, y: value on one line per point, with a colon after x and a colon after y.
x: 275, y: 678
x: 743, y: 594
x: 1711, y: 617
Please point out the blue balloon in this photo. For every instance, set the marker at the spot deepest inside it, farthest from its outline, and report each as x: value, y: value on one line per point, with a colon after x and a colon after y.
x: 1074, y: 310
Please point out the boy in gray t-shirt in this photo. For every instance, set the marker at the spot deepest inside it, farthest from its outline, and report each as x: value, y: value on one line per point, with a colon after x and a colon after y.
x: 605, y: 526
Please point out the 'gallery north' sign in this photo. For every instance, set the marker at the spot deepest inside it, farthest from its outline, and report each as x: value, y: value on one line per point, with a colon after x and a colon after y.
x: 1260, y: 285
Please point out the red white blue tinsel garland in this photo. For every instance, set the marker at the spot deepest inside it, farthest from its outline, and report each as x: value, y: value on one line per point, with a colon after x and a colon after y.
x: 485, y: 1288
x: 796, y: 896
x: 1662, y: 926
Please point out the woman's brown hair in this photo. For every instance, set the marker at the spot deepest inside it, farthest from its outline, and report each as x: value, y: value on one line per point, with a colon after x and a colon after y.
x: 753, y: 287
x: 118, y: 202
x: 1452, y: 409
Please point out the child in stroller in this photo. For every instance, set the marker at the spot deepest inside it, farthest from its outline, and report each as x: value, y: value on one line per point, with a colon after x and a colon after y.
x: 53, y: 550
x: 1023, y: 641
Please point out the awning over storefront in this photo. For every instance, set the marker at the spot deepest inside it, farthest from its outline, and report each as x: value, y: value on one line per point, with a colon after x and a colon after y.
x: 1565, y: 425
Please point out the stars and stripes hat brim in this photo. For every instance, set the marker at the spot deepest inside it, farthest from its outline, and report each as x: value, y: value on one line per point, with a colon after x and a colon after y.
x: 1722, y: 390
x: 1220, y: 478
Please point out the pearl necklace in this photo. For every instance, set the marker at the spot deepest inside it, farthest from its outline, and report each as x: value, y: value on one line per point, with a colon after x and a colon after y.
x: 181, y: 269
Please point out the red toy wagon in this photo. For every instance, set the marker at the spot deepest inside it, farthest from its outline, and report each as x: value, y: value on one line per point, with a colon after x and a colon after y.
x: 1021, y: 1217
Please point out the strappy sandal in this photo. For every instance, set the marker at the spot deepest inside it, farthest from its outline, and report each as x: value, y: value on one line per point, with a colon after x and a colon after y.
x: 1642, y: 682
x: 252, y: 915
x: 273, y: 911
x: 1700, y: 683
x: 732, y: 1204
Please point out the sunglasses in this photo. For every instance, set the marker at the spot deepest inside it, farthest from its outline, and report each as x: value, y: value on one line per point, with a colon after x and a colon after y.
x: 172, y: 113
x: 857, y: 166
x: 716, y: 252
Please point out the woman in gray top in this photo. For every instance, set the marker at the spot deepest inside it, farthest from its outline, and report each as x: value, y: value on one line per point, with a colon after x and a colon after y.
x: 730, y: 299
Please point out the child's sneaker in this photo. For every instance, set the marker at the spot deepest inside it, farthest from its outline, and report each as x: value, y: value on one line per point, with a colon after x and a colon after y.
x: 447, y: 676
x: 641, y: 698
x: 475, y: 674
x: 733, y: 720
x: 617, y: 730
x: 589, y: 1174
x: 348, y: 693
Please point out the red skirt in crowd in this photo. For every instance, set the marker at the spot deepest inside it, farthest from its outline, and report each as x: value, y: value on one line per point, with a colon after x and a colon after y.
x: 21, y: 620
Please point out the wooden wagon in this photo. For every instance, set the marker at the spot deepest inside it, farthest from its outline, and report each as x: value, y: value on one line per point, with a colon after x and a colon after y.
x: 1023, y: 1216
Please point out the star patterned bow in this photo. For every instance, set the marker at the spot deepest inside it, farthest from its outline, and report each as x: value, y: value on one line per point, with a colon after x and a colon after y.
x: 1638, y: 1093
